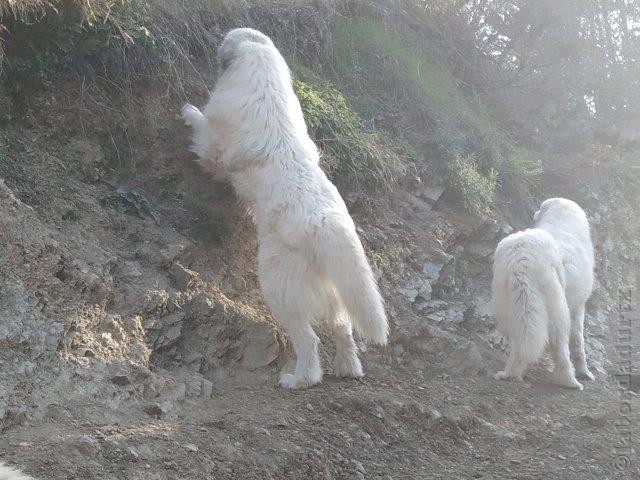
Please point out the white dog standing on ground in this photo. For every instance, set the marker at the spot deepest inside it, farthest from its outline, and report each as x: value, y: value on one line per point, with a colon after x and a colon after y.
x: 311, y: 263
x: 8, y: 473
x: 542, y: 278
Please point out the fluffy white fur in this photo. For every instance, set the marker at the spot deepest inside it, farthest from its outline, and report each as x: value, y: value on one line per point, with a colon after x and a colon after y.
x: 312, y: 265
x: 542, y: 278
x: 8, y: 473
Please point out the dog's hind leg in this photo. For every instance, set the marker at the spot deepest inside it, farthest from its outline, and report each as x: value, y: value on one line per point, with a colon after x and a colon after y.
x: 559, y: 346
x: 346, y: 362
x: 305, y: 343
x: 290, y: 291
x: 516, y: 365
x: 562, y: 367
x: 559, y: 328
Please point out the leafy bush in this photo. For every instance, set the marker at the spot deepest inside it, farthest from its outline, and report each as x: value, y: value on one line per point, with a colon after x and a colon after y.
x: 403, y: 75
x: 131, y: 201
x: 474, y: 189
x: 41, y: 40
x: 347, y: 148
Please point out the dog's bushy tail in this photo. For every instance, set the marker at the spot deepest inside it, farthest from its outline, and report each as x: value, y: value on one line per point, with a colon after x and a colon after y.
x: 526, y: 293
x: 349, y: 271
x: 529, y: 332
x: 7, y: 473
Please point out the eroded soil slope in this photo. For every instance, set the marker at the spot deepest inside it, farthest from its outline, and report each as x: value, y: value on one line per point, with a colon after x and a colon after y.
x: 134, y: 343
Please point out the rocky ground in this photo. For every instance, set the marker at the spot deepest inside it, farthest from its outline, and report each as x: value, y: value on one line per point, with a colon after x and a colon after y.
x: 134, y: 343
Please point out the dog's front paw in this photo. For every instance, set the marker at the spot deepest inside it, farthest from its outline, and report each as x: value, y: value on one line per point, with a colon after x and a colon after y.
x: 191, y: 115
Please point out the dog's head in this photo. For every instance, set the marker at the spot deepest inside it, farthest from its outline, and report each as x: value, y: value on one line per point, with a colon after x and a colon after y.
x: 558, y: 208
x: 543, y: 209
x: 229, y: 48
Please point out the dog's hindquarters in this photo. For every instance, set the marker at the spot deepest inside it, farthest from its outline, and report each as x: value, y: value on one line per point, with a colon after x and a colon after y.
x: 529, y: 302
x: 517, y: 304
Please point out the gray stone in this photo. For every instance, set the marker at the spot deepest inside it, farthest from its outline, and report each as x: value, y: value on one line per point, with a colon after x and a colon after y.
x: 466, y: 359
x: 129, y: 270
x: 198, y: 386
x: 416, y: 288
x: 207, y: 388
x: 262, y: 347
x: 425, y: 291
x: 83, y: 445
x: 172, y: 252
x: 409, y: 293
x: 155, y: 301
x: 121, y: 379
x: 170, y: 329
x: 438, y: 316
x: 595, y: 419
x: 378, y: 412
x: 481, y: 250
x: 455, y: 313
x: 182, y: 277
x: 153, y: 409
x: 431, y: 194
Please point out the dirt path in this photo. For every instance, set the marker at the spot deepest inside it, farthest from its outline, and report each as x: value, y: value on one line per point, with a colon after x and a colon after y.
x: 395, y: 424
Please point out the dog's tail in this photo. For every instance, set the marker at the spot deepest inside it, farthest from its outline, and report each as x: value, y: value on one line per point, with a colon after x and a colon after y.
x: 533, y: 297
x: 7, y: 473
x: 529, y: 326
x: 349, y: 271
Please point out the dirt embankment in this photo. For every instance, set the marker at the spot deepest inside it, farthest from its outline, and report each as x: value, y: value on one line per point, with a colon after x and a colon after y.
x: 134, y: 343
x: 136, y: 348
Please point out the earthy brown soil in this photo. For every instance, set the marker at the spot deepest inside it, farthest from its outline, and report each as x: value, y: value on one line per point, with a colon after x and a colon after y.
x: 135, y: 349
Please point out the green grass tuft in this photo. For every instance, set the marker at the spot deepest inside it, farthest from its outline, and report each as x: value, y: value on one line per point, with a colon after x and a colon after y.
x: 475, y: 189
x: 402, y: 75
x: 348, y: 150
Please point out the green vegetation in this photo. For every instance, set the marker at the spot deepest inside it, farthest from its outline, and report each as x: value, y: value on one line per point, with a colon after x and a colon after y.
x: 45, y: 37
x: 131, y: 201
x: 41, y: 38
x: 402, y: 75
x: 385, y: 96
x: 475, y: 189
x: 363, y: 155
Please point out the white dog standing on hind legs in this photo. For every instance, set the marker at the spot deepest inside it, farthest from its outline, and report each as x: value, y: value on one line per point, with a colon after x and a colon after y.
x: 311, y: 263
x: 542, y: 278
